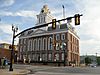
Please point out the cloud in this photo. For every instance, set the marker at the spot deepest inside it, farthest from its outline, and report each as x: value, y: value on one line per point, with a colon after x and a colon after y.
x: 25, y: 13
x: 2, y: 41
x: 4, y: 3
x: 6, y: 33
x: 89, y: 28
x: 6, y: 28
x: 22, y: 13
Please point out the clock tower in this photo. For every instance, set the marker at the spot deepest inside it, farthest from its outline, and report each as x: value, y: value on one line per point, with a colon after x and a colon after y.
x: 44, y: 16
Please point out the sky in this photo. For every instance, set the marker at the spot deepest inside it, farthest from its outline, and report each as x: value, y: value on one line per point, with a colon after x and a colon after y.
x: 22, y: 13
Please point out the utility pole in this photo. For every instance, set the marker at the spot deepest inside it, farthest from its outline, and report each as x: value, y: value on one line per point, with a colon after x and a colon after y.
x: 14, y: 29
x: 96, y: 57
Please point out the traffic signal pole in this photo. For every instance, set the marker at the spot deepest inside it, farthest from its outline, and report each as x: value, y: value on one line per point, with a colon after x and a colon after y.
x: 43, y: 25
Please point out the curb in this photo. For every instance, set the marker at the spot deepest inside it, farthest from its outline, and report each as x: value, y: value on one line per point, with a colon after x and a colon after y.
x: 15, y: 72
x: 21, y: 73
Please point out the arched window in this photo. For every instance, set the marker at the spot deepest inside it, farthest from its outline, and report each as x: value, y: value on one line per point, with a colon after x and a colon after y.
x: 57, y: 37
x: 50, y: 43
x: 44, y: 44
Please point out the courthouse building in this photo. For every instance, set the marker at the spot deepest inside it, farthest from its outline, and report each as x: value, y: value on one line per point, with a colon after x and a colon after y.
x: 49, y: 45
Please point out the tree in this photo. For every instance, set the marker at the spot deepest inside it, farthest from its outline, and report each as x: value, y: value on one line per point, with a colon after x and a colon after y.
x: 87, y: 61
x: 98, y: 60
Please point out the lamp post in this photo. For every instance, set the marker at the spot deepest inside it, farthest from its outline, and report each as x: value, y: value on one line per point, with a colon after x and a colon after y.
x: 96, y: 58
x: 64, y: 47
x: 64, y: 54
x: 14, y: 29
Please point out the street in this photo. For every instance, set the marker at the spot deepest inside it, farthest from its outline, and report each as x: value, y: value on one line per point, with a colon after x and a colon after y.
x: 48, y: 70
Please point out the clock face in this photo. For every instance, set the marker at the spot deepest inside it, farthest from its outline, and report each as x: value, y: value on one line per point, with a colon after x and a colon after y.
x: 42, y: 11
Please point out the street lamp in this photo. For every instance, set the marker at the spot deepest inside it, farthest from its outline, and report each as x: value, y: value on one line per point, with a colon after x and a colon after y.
x: 14, y: 29
x: 64, y: 54
x: 96, y: 58
x: 64, y: 47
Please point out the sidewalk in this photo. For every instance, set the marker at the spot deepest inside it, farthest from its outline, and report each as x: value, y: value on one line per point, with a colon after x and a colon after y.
x: 52, y: 73
x: 14, y: 72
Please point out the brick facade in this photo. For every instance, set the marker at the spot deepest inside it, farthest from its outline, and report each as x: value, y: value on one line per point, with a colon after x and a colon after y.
x: 48, y: 45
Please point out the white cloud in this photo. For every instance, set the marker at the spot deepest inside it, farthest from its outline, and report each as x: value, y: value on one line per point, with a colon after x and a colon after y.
x: 25, y: 13
x: 22, y: 13
x: 2, y: 41
x: 6, y: 28
x: 89, y: 29
x: 4, y: 3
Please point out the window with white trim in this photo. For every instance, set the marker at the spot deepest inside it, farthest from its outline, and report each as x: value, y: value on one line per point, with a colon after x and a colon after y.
x: 57, y: 46
x: 57, y: 36
x: 62, y: 56
x: 56, y: 56
x: 62, y: 36
x: 50, y: 43
x: 49, y: 56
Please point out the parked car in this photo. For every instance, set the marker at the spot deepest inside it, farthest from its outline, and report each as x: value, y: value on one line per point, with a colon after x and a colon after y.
x: 93, y: 65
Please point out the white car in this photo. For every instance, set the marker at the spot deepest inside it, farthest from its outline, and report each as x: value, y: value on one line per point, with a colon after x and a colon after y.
x: 93, y: 65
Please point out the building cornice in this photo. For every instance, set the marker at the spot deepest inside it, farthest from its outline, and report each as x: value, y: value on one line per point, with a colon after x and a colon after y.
x: 49, y: 33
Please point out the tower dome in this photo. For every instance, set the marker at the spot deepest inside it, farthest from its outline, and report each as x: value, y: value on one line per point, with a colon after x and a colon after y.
x: 45, y: 9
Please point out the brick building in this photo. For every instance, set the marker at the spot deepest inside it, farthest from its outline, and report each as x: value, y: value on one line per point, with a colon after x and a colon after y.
x: 48, y: 45
x: 6, y: 52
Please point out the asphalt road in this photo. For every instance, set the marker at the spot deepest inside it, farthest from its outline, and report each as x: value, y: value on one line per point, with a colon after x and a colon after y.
x: 47, y: 70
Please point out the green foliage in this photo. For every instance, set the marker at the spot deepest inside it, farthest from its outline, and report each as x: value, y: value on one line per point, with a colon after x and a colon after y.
x: 87, y: 60
x: 98, y: 60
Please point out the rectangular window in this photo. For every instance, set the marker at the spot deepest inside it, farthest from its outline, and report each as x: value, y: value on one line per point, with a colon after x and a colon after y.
x: 49, y: 56
x: 57, y: 46
x: 62, y: 56
x: 63, y: 37
x: 58, y: 37
x: 56, y: 57
x: 44, y: 57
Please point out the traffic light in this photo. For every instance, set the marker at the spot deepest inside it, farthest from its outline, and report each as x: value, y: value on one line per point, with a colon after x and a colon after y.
x: 77, y: 19
x: 53, y: 23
